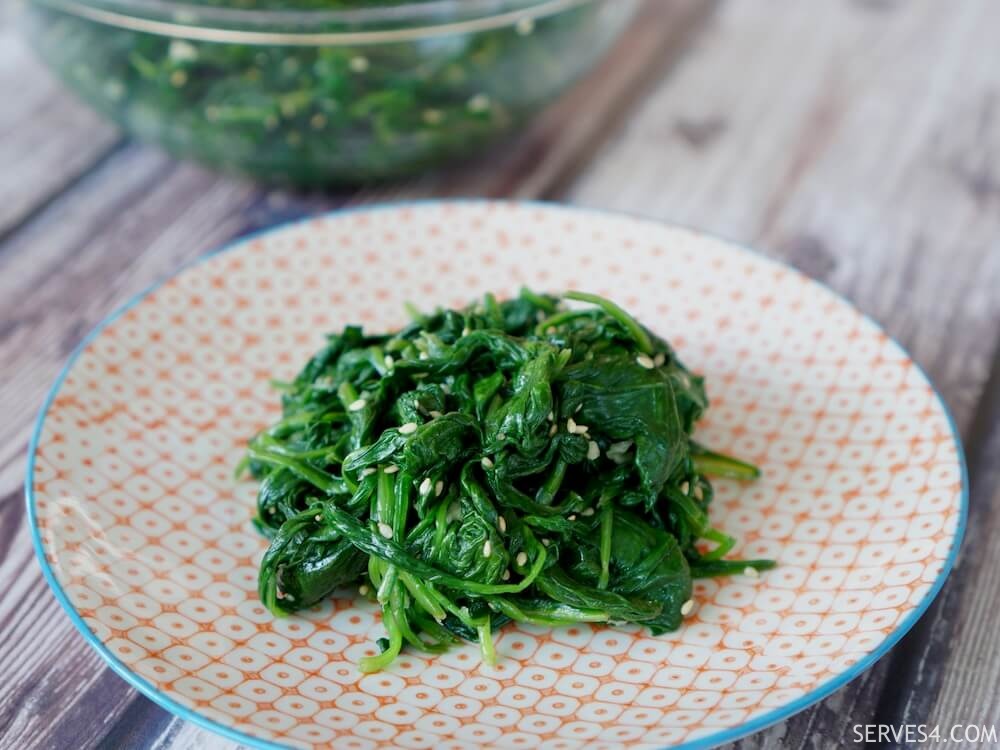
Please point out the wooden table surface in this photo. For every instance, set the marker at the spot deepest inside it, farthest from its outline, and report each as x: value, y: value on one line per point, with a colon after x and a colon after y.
x: 858, y: 140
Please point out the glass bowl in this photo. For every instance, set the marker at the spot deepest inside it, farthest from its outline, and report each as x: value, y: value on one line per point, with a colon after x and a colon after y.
x: 312, y: 91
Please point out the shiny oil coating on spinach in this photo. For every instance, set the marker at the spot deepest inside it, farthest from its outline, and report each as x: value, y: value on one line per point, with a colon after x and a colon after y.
x: 520, y: 460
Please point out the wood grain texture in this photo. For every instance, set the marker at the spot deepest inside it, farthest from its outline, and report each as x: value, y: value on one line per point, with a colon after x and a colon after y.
x: 970, y: 689
x: 47, y: 139
x: 861, y: 145
x: 102, y: 232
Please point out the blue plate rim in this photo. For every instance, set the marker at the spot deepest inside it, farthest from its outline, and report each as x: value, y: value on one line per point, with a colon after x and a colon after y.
x: 705, y: 742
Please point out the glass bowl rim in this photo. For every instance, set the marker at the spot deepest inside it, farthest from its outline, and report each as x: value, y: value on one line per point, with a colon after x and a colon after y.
x: 378, y: 24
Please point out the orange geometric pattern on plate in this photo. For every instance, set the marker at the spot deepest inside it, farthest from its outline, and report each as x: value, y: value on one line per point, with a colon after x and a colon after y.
x: 150, y: 538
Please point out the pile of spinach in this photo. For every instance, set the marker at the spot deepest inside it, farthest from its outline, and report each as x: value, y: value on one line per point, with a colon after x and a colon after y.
x: 519, y: 460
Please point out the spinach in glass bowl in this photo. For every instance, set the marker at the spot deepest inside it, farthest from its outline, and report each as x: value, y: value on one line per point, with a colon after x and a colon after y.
x: 314, y: 92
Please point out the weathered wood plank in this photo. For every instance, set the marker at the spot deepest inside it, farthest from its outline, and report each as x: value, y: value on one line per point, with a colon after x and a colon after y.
x: 40, y: 687
x: 47, y: 139
x: 970, y: 689
x: 131, y: 220
x: 548, y: 154
x: 858, y: 142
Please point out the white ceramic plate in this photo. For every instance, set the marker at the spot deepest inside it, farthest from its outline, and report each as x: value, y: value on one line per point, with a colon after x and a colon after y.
x: 146, y: 538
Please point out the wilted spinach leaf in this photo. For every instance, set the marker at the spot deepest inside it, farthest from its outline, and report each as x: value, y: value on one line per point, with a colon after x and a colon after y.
x: 515, y: 460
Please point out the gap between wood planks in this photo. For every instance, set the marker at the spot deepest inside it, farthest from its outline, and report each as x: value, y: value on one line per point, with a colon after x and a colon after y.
x: 84, y: 277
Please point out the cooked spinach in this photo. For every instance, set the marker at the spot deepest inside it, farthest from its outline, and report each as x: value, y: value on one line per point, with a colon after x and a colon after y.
x: 518, y: 460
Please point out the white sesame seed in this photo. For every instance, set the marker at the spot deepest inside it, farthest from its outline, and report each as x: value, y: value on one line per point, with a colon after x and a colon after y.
x: 525, y: 26
x: 621, y: 447
x: 685, y: 487
x: 357, y: 405
x: 644, y: 360
x: 501, y: 436
x: 434, y: 414
x: 271, y: 511
x: 487, y: 462
x: 502, y: 523
x: 521, y: 559
x: 751, y: 572
x: 582, y: 429
x: 363, y: 589
x: 546, y: 542
x: 182, y: 51
x: 570, y: 426
x: 578, y: 407
x: 687, y: 607
x: 553, y: 430
x: 426, y: 485
x: 466, y: 331
x: 479, y: 103
x: 659, y: 359
x: 178, y: 78
x: 391, y: 469
x: 408, y: 429
x: 552, y: 417
x: 572, y: 516
x: 359, y: 64
x: 424, y: 355
x: 487, y: 548
x: 433, y: 116
x: 385, y: 529
x: 389, y: 361
x: 506, y: 575
x: 593, y: 451
x: 438, y: 488
x: 699, y: 493
x: 317, y: 517
x: 368, y: 471
x: 279, y: 594
x: 587, y: 512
